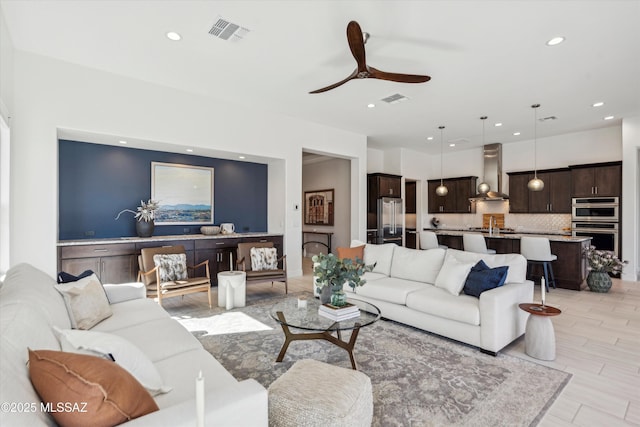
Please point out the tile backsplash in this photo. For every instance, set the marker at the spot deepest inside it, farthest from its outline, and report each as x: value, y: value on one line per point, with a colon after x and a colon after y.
x: 552, y: 223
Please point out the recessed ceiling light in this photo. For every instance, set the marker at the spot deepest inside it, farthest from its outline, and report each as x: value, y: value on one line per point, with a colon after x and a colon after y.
x: 172, y: 35
x: 597, y: 104
x: 189, y: 150
x: 609, y: 118
x: 429, y: 138
x: 241, y: 157
x: 516, y: 133
x: 498, y: 125
x: 122, y: 141
x: 555, y: 41
x: 452, y: 145
x: 371, y: 105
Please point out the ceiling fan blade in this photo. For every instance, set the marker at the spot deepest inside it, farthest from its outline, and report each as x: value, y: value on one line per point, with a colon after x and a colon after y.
x: 356, y: 44
x: 335, y: 85
x: 396, y: 77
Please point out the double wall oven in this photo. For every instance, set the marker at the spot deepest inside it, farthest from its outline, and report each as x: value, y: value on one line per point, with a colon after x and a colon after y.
x: 598, y: 218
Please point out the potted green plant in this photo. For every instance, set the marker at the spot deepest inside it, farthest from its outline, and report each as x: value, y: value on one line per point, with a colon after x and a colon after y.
x: 601, y: 263
x: 332, y: 273
x: 145, y: 215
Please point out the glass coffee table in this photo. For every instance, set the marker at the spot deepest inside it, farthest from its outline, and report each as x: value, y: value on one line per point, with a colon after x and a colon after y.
x: 318, y: 327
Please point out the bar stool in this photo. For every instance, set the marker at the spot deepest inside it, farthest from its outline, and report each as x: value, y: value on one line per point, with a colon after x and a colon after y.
x: 429, y: 240
x: 476, y: 243
x: 537, y: 250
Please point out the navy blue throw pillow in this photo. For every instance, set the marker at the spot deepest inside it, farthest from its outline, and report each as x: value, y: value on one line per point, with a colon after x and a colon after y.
x: 482, y: 278
x: 64, y: 277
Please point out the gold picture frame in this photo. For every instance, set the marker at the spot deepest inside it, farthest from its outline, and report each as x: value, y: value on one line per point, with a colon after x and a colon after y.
x: 319, y: 207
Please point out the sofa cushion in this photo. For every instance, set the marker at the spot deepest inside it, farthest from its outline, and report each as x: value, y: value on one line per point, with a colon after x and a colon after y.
x: 103, y: 393
x: 86, y: 301
x: 25, y: 283
x: 132, y: 312
x: 517, y: 263
x: 390, y: 289
x: 381, y: 256
x: 117, y: 349
x: 419, y: 266
x: 482, y: 278
x: 439, y: 302
x: 453, y: 275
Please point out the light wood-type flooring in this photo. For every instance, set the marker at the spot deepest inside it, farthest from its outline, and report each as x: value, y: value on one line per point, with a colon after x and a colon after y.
x: 597, y: 340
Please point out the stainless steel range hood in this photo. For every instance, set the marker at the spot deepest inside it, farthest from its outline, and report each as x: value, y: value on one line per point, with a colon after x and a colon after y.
x: 492, y: 156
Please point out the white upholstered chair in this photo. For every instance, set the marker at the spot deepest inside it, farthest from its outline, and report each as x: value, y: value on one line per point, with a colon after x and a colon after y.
x: 476, y: 243
x: 537, y: 250
x: 429, y: 240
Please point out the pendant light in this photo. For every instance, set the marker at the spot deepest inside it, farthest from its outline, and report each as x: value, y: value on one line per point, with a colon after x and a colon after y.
x: 536, y: 184
x: 483, y: 187
x: 441, y: 190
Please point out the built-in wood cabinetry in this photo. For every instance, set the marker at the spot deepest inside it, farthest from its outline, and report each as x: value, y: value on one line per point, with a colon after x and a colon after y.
x: 410, y: 197
x: 600, y: 179
x: 555, y: 197
x: 457, y: 199
x: 384, y: 185
x: 118, y: 262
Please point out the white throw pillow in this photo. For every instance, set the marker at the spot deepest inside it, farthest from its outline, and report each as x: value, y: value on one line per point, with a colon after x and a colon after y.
x: 264, y: 259
x: 86, y: 302
x: 118, y: 349
x: 381, y: 256
x: 171, y: 267
x: 453, y: 275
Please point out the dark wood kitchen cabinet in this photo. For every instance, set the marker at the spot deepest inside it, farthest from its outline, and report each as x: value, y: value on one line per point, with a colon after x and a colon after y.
x: 410, y: 197
x: 457, y: 199
x: 518, y: 192
x: 555, y: 197
x: 599, y: 179
x: 112, y: 263
x: 384, y: 185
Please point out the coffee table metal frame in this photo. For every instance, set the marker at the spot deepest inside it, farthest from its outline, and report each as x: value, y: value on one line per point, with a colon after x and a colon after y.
x: 320, y: 327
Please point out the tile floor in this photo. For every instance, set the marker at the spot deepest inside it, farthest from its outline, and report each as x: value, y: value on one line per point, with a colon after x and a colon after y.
x: 597, y: 340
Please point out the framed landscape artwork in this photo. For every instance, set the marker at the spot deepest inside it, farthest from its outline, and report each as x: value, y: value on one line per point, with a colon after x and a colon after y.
x: 184, y: 192
x: 318, y: 207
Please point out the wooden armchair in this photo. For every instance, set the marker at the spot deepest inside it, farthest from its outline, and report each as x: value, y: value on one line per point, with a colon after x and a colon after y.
x: 243, y: 262
x: 163, y: 279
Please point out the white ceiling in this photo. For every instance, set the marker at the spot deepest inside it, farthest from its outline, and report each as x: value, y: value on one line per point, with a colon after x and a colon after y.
x: 484, y: 57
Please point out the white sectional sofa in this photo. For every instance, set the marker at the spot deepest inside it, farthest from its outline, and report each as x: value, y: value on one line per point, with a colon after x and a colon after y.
x: 29, y: 309
x: 402, y: 286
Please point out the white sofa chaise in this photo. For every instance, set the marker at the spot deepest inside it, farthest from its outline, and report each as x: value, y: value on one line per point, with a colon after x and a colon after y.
x: 30, y: 307
x: 402, y: 286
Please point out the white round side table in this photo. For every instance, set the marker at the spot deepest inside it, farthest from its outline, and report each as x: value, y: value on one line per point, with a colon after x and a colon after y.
x: 232, y: 289
x: 539, y: 336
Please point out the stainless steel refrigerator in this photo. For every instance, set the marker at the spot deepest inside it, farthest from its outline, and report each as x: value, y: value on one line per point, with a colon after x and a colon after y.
x: 390, y: 220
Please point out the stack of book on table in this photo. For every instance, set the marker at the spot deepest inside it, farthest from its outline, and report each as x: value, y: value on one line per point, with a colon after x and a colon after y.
x: 338, y: 314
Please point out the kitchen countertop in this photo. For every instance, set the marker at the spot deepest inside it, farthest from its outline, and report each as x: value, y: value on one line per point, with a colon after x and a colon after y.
x: 551, y: 237
x: 135, y: 239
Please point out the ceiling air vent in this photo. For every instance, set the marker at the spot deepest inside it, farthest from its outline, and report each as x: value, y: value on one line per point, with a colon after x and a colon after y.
x: 394, y: 99
x: 544, y: 119
x: 226, y: 30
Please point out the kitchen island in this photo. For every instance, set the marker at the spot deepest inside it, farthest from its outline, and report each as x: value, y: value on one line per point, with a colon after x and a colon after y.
x: 570, y: 269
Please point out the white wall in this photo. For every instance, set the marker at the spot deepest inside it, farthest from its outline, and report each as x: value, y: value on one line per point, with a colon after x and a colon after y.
x: 631, y: 197
x: 52, y: 94
x: 331, y: 173
x: 6, y: 70
x: 6, y: 107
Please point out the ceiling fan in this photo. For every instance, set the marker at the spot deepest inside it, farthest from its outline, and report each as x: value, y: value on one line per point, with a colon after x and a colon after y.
x: 357, y: 39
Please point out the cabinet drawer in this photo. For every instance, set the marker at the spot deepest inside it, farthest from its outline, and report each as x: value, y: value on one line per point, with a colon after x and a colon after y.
x: 91, y: 251
x: 216, y: 243
x: 188, y: 244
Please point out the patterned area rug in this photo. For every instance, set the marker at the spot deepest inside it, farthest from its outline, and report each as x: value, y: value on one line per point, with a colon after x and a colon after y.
x: 419, y: 379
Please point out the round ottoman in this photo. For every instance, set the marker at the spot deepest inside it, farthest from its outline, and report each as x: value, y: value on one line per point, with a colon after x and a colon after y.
x: 313, y: 393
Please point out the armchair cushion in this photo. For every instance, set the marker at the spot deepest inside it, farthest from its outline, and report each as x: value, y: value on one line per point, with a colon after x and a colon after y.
x: 171, y: 267
x: 264, y: 259
x: 86, y: 302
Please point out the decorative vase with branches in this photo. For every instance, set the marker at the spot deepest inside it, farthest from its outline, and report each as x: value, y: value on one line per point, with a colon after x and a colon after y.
x: 145, y: 215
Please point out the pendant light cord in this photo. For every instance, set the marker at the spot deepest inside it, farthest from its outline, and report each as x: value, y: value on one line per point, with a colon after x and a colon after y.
x: 535, y: 140
x: 441, y: 154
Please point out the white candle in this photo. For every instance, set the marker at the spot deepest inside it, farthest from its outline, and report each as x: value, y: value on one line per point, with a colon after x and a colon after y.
x: 543, y: 289
x: 200, y: 400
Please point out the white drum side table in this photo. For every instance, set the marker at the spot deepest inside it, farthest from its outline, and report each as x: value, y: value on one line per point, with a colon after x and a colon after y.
x: 539, y: 336
x: 232, y: 289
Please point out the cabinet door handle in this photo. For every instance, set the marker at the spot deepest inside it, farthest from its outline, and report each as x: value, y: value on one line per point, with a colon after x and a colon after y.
x: 219, y: 243
x: 263, y: 240
x: 550, y: 207
x: 101, y: 250
x: 596, y: 187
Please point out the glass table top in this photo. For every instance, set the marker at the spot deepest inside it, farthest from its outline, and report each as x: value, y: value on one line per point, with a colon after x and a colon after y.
x: 308, y: 318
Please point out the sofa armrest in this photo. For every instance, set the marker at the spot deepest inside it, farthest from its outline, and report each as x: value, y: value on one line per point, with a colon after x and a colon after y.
x: 501, y: 321
x: 246, y: 403
x: 125, y: 292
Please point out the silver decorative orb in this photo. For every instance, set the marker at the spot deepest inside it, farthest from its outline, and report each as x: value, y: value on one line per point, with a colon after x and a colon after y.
x: 535, y: 184
x: 442, y: 190
x: 483, y: 188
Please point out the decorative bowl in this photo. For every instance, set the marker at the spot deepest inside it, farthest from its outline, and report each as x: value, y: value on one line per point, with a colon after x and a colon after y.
x: 210, y: 230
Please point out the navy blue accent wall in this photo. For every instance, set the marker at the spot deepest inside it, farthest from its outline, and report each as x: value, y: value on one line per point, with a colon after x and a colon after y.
x: 95, y: 182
